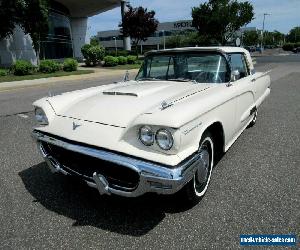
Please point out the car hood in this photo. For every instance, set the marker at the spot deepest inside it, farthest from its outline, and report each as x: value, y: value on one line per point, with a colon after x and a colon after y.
x: 120, y: 104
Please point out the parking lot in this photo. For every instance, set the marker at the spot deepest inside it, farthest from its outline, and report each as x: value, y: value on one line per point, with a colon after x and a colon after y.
x: 255, y: 188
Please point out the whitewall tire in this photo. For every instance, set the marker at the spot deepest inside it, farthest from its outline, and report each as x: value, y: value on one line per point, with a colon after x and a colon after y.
x: 197, y: 187
x: 252, y: 123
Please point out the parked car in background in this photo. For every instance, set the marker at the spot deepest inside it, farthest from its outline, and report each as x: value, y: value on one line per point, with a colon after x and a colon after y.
x: 160, y: 133
x: 250, y: 48
x: 296, y: 50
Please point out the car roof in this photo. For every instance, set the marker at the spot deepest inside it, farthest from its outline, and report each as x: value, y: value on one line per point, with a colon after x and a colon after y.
x: 221, y: 49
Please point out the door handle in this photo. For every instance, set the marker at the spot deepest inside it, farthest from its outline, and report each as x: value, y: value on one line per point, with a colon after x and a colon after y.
x: 253, y: 80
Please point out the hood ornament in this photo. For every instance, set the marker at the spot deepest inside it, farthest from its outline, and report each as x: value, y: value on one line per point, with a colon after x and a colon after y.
x: 126, y: 76
x: 75, y: 126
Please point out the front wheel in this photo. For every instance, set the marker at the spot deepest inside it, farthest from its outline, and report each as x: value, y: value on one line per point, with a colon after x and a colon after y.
x: 196, y: 188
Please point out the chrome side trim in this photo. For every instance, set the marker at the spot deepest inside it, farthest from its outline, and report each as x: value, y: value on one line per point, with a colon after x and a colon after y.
x: 119, y: 93
x: 153, y: 177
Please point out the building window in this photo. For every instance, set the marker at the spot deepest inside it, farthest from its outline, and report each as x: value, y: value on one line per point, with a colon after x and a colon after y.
x: 58, y: 43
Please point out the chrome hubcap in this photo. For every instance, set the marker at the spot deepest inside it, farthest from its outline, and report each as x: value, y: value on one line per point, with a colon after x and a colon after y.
x: 203, y: 167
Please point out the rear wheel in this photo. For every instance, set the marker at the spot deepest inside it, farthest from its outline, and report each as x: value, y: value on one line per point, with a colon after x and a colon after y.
x: 252, y: 123
x: 196, y: 188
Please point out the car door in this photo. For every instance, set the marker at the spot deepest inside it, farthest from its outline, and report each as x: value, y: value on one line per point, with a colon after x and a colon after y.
x: 244, y: 90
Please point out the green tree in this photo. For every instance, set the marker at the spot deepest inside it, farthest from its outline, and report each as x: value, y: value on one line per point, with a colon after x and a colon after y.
x: 139, y: 24
x: 35, y: 21
x: 273, y: 38
x: 184, y: 39
x: 94, y: 41
x: 278, y: 37
x: 294, y: 35
x: 250, y: 38
x: 9, y: 16
x: 218, y: 20
x: 92, y: 54
x: 176, y: 41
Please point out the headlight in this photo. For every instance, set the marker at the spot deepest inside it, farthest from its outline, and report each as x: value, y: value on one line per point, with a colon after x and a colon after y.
x: 164, y: 139
x: 146, y: 135
x: 41, y: 117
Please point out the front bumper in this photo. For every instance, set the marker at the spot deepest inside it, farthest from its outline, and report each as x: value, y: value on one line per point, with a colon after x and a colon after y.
x: 153, y: 177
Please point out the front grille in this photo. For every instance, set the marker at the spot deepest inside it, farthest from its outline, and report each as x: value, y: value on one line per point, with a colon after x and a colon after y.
x: 119, y: 177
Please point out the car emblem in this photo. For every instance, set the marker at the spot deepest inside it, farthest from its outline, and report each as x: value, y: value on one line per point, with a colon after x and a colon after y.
x: 75, y: 126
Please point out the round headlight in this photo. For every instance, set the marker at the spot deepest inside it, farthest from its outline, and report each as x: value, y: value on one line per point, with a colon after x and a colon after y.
x: 164, y: 139
x: 41, y: 117
x: 146, y: 135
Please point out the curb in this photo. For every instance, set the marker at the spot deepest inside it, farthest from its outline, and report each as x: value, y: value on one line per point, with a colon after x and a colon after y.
x: 7, y: 86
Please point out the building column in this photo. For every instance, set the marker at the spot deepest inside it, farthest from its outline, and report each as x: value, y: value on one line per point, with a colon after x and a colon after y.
x: 79, y: 29
x: 126, y: 40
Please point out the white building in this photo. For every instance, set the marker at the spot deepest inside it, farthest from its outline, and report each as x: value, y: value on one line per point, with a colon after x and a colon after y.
x: 67, y: 32
x: 113, y: 38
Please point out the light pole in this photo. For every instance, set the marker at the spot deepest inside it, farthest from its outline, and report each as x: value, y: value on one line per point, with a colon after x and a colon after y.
x: 263, y: 30
x: 116, y: 45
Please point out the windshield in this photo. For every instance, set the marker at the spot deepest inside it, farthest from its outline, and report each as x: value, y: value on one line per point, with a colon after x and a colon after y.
x: 198, y: 67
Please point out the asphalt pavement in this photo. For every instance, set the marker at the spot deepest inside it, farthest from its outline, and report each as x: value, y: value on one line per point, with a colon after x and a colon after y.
x: 255, y: 188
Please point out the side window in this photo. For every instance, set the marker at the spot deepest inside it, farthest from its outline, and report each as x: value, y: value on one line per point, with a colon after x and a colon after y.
x: 238, y: 62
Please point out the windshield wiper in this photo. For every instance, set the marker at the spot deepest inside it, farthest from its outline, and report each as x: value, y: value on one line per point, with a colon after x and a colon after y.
x: 182, y: 80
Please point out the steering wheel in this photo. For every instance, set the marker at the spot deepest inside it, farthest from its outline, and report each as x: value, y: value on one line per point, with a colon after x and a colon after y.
x: 217, y: 78
x: 201, y: 77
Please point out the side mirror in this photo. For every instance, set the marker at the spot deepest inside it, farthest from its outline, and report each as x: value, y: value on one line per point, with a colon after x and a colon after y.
x: 235, y: 75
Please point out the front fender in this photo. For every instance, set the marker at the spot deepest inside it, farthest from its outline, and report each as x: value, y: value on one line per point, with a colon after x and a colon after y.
x: 192, y: 132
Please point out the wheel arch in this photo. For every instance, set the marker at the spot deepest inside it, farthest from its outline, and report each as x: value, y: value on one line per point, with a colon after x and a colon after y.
x: 217, y: 131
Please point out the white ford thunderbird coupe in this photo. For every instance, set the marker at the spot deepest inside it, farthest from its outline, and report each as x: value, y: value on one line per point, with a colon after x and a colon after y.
x: 161, y: 132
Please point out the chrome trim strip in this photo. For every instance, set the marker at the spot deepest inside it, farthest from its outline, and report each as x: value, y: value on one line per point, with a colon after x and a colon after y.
x: 185, y: 132
x: 153, y: 177
x: 119, y: 93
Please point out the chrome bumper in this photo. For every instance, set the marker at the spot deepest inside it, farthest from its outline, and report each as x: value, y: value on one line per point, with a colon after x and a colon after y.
x: 153, y: 177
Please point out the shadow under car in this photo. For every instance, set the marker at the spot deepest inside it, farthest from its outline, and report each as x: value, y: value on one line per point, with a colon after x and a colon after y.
x: 71, y: 198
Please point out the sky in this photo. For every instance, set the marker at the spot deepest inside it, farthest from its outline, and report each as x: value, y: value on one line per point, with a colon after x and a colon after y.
x: 285, y: 14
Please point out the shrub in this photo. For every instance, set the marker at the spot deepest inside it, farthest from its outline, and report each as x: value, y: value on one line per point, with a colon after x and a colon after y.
x: 110, y: 61
x: 92, y: 54
x: 49, y: 66
x: 3, y: 72
x: 22, y: 68
x: 123, y: 53
x: 94, y: 41
x: 110, y: 53
x: 84, y: 50
x: 131, y: 59
x: 70, y: 64
x: 297, y: 45
x: 120, y: 53
x: 122, y: 60
x: 288, y: 46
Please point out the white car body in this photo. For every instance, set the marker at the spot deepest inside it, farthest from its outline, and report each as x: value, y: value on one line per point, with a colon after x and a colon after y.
x: 109, y: 117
